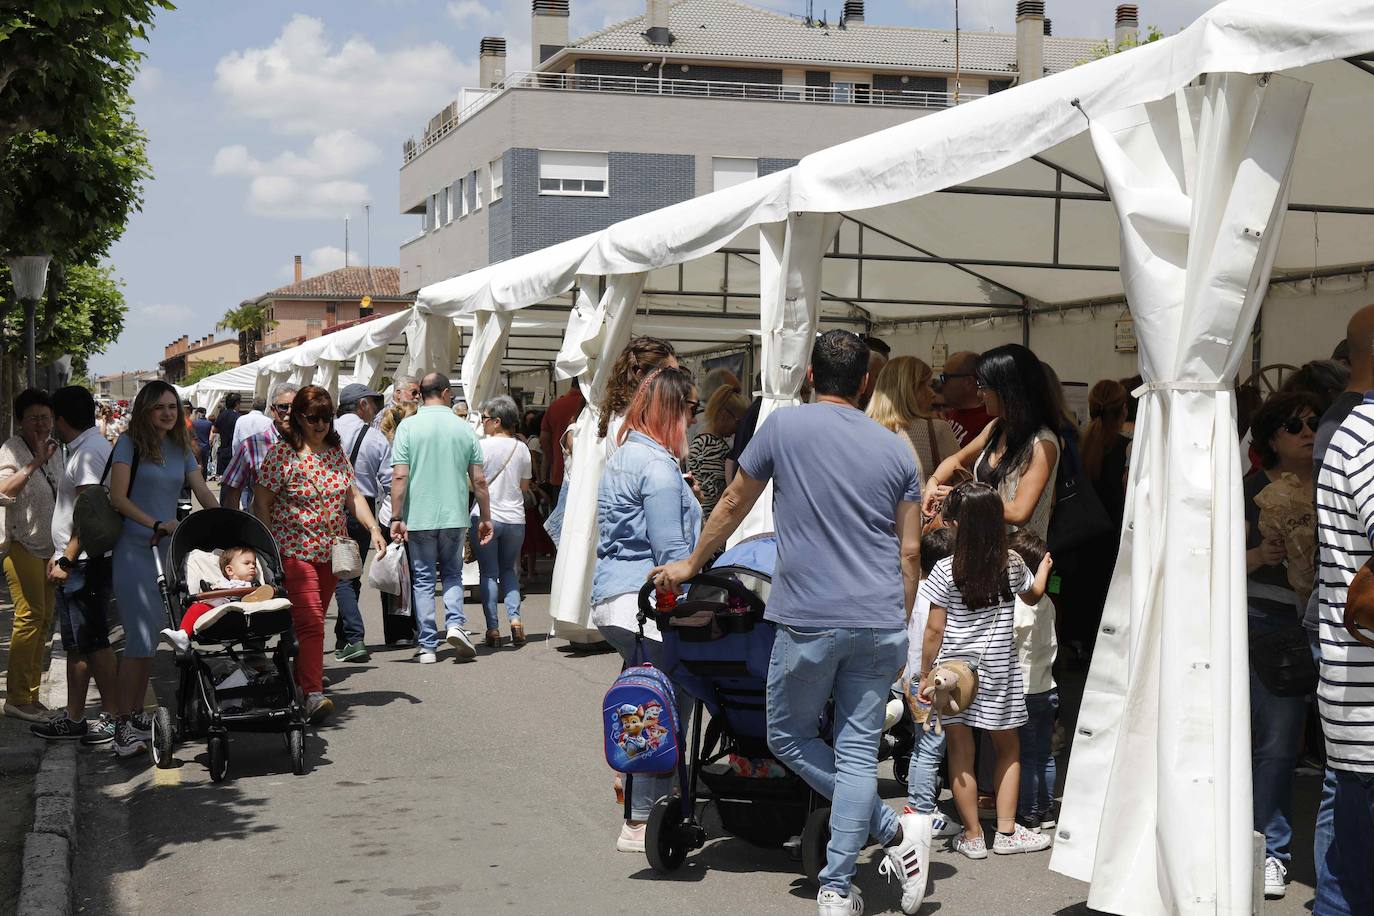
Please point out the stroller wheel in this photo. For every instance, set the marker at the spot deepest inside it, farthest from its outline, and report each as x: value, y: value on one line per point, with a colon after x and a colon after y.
x: 814, y: 840
x: 163, y: 736
x: 665, y: 840
x: 219, y: 757
x: 295, y: 743
x: 901, y: 768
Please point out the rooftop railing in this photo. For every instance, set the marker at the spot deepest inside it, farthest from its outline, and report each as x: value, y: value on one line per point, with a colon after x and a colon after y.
x: 472, y: 100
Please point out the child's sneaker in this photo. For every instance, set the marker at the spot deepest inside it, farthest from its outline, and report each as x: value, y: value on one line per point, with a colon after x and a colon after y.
x: 178, y: 639
x: 1019, y: 840
x: 830, y: 903
x: 631, y: 838
x: 908, y: 860
x: 976, y: 848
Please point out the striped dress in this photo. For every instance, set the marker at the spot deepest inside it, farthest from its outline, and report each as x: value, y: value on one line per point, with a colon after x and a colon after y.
x: 1345, y: 530
x: 984, y: 637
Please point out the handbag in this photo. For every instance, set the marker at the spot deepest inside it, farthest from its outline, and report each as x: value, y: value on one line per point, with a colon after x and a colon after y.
x: 346, y: 559
x: 1282, y: 660
x: 1078, y: 517
x: 94, y: 519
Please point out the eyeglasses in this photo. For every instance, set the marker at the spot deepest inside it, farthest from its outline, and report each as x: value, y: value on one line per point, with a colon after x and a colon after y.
x: 282, y: 409
x: 946, y: 376
x: 316, y: 417
x: 695, y: 407
x: 487, y: 419
x: 1294, y: 425
x: 978, y: 383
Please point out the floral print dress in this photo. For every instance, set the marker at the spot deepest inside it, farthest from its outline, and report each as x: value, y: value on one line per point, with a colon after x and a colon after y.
x: 308, y: 513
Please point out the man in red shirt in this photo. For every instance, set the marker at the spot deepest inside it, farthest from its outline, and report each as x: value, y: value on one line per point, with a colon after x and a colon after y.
x: 963, y: 408
x: 556, y: 420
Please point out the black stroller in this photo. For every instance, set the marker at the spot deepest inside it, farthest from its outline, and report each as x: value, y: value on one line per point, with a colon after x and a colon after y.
x: 225, y: 682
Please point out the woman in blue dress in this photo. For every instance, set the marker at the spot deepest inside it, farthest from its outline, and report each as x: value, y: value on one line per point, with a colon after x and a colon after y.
x: 152, y: 462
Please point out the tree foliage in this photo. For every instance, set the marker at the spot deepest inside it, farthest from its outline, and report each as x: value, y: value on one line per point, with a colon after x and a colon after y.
x: 203, y: 369
x: 250, y: 322
x: 63, y: 61
x: 1108, y: 48
x: 85, y: 317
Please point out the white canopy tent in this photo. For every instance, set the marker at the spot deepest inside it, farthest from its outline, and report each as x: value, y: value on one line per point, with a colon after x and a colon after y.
x: 1194, y: 189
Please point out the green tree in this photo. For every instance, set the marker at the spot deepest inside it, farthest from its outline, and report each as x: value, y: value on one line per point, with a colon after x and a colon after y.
x: 199, y: 370
x: 250, y: 322
x: 63, y: 61
x: 1108, y: 48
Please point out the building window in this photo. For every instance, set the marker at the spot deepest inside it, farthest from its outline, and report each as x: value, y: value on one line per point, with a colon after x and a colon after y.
x: 728, y: 171
x: 455, y: 191
x: 569, y: 172
x: 313, y: 325
x: 429, y: 213
x: 463, y: 195
x: 445, y: 214
x: 476, y: 189
x: 496, y: 178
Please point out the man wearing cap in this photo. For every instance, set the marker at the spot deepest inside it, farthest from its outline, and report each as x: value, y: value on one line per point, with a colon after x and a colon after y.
x: 366, y: 449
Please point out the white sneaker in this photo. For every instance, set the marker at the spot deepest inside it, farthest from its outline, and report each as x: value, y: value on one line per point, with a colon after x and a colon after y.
x: 892, y: 714
x: 976, y: 848
x: 426, y: 658
x: 179, y: 640
x: 461, y: 643
x: 631, y: 839
x: 908, y: 860
x: 830, y: 903
x: 942, y: 828
x: 1019, y: 840
x: 1275, y: 879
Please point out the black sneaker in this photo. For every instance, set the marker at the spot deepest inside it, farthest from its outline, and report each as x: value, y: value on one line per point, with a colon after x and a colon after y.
x: 128, y: 742
x: 60, y: 728
x: 142, y: 725
x: 101, y: 731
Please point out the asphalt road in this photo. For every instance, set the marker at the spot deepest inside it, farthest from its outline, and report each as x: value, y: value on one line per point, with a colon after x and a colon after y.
x: 456, y: 788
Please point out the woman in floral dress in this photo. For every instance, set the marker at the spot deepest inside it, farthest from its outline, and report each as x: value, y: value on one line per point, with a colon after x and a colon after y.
x: 303, y: 489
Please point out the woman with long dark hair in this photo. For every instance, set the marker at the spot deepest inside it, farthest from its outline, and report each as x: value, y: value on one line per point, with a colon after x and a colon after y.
x: 152, y: 462
x: 303, y: 489
x: 1018, y: 452
x: 648, y: 516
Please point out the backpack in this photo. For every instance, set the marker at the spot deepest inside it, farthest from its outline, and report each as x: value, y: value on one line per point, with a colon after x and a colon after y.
x: 640, y: 719
x: 94, y: 519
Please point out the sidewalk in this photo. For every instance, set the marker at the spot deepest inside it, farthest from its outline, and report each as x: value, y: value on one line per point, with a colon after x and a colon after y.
x: 19, y: 756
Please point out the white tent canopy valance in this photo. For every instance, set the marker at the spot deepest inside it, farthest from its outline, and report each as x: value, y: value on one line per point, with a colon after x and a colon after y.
x: 1203, y: 179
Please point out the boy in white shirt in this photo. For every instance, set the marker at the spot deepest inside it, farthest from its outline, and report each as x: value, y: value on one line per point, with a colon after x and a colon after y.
x: 1036, y: 647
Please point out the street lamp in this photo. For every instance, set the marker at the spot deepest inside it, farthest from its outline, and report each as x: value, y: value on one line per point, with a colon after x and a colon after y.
x: 29, y: 274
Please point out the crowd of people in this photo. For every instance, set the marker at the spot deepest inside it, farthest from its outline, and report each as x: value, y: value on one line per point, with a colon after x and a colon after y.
x: 940, y: 487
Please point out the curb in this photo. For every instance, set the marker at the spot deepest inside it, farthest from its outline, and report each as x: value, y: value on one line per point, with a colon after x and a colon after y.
x: 46, y: 887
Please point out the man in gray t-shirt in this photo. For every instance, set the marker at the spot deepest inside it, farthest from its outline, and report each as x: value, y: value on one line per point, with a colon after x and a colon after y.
x: 846, y: 506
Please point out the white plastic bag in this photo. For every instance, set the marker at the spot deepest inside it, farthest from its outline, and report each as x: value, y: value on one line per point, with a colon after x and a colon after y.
x: 388, y: 573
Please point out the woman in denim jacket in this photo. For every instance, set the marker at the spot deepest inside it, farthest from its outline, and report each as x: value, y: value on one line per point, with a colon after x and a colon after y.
x: 649, y: 515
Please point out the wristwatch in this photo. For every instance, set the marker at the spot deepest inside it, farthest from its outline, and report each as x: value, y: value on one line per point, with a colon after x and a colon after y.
x: 64, y: 563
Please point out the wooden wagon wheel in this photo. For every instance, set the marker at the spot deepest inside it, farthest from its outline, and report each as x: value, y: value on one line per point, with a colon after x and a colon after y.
x: 1271, y: 378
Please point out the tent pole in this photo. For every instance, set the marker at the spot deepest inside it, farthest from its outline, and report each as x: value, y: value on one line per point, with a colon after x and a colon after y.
x: 1025, y: 324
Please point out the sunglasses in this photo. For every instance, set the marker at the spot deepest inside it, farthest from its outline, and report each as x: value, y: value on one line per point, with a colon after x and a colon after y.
x: 695, y: 407
x: 946, y: 376
x: 282, y: 409
x: 317, y: 417
x: 1294, y: 425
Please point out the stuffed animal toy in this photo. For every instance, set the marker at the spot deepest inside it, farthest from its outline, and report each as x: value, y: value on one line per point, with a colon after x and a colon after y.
x: 950, y: 689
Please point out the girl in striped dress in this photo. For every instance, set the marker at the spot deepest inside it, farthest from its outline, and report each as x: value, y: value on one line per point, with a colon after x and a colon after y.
x: 972, y: 619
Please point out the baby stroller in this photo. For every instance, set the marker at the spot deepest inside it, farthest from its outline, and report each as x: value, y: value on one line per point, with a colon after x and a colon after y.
x: 716, y: 644
x: 225, y: 682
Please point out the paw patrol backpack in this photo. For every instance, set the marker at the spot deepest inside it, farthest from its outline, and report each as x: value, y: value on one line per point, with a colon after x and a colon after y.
x: 639, y: 715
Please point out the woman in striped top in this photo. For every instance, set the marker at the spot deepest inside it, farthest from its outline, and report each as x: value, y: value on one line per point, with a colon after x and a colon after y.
x: 972, y: 619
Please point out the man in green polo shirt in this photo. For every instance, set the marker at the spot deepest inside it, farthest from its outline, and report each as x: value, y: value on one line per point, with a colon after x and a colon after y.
x: 434, y: 458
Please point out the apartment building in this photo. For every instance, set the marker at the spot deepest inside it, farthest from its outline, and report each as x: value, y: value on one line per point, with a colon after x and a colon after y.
x: 687, y: 98
x: 311, y: 306
x: 181, y: 355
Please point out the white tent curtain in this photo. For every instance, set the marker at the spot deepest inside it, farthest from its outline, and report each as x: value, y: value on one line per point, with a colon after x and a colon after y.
x: 790, y: 290
x: 327, y: 376
x: 481, y: 375
x: 1157, y: 811
x: 571, y: 589
x: 431, y: 343
x: 367, y: 366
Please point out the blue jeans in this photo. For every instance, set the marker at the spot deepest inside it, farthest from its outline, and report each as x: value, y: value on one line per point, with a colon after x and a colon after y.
x: 1276, y: 725
x: 498, y: 561
x: 348, y: 626
x: 856, y: 667
x: 436, y: 553
x: 923, y: 776
x: 1038, y: 770
x: 1345, y: 874
x: 645, y: 789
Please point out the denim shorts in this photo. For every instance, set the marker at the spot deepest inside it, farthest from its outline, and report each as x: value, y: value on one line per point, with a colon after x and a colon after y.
x: 83, y: 603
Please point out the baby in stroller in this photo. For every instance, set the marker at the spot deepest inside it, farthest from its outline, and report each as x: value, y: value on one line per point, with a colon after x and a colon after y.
x: 239, y: 566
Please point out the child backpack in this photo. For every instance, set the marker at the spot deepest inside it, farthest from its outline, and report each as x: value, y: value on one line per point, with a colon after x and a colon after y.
x: 639, y: 715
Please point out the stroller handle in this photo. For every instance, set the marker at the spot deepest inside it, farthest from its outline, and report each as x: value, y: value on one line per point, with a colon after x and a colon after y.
x: 735, y: 588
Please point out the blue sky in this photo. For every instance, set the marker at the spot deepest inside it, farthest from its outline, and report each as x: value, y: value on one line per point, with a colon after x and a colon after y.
x: 269, y: 121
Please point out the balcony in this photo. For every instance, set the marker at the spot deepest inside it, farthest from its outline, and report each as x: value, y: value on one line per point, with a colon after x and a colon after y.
x: 470, y: 101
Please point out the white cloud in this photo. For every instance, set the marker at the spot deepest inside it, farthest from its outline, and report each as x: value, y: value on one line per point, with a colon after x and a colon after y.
x: 468, y: 13
x: 321, y: 260
x: 149, y: 78
x: 336, y: 154
x: 293, y: 197
x: 166, y: 313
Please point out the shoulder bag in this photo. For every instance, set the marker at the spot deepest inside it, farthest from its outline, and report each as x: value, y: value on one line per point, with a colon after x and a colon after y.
x: 1078, y: 516
x: 94, y: 519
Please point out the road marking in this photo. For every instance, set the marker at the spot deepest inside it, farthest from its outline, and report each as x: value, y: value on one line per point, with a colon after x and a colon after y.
x: 168, y: 777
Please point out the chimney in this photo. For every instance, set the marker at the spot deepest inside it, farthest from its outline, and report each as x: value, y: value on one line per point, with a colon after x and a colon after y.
x: 1127, y: 25
x: 1030, y: 39
x: 548, y: 30
x: 656, y: 15
x: 853, y: 12
x: 298, y: 268
x: 491, y: 63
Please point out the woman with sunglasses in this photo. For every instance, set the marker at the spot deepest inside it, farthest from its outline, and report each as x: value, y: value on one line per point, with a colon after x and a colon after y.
x: 150, y: 466
x: 506, y: 461
x: 648, y: 516
x: 1284, y: 431
x: 304, y: 487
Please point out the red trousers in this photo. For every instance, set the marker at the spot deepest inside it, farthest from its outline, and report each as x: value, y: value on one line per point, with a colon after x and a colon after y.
x: 193, y: 613
x: 310, y: 586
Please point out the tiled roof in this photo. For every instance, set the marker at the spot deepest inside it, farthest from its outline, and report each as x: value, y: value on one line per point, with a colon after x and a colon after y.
x: 345, y: 283
x: 725, y: 29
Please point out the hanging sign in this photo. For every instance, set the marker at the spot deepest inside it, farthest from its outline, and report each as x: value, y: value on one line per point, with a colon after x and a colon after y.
x: 938, y: 354
x: 1125, y: 335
